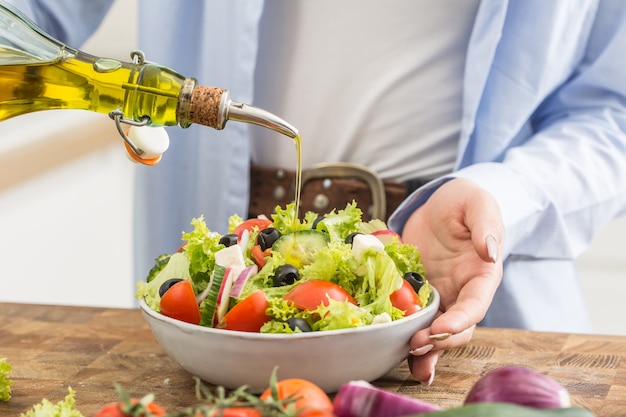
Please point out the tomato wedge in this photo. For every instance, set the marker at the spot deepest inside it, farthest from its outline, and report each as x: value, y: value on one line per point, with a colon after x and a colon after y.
x: 179, y: 302
x: 259, y: 255
x: 308, y: 295
x: 248, y: 315
x: 406, y: 299
x: 251, y: 224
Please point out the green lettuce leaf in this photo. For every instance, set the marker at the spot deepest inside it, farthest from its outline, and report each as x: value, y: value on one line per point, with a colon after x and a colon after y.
x: 286, y: 221
x: 425, y: 293
x: 339, y: 224
x: 341, y: 315
x: 381, y: 279
x: 281, y: 310
x: 406, y: 257
x: 234, y: 221
x: 373, y: 226
x: 5, y: 381
x: 201, y: 245
x: 64, y: 408
x: 177, y: 267
x: 333, y: 263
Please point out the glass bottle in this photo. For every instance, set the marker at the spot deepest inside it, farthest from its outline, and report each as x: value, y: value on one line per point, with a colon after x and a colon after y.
x: 37, y: 72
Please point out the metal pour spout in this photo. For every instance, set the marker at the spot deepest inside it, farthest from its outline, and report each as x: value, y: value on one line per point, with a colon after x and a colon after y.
x: 240, y: 112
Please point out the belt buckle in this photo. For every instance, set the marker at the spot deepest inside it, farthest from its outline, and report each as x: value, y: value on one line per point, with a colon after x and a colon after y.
x: 350, y: 170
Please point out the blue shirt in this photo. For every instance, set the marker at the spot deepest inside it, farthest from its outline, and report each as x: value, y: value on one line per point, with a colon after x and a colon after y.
x: 543, y: 130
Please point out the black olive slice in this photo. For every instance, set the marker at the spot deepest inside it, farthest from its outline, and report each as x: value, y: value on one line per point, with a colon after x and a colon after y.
x: 285, y: 274
x: 415, y: 279
x: 267, y: 237
x: 167, y: 285
x: 298, y: 323
x: 229, y: 239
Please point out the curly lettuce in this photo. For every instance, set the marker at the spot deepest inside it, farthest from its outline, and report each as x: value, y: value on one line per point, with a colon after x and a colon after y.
x: 64, y: 408
x: 339, y: 224
x: 406, y: 257
x: 177, y: 267
x: 333, y: 263
x: 200, y: 247
x: 234, y: 221
x: 341, y: 315
x: 5, y: 381
x: 286, y: 221
x: 381, y: 278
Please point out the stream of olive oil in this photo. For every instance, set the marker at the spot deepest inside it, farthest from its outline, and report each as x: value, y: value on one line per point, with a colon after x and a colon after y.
x: 85, y: 82
x: 298, y: 142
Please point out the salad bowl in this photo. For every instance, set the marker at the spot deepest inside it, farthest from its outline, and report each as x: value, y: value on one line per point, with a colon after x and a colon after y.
x: 328, y: 358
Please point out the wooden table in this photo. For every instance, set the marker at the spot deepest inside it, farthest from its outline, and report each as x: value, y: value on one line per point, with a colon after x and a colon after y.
x: 53, y: 347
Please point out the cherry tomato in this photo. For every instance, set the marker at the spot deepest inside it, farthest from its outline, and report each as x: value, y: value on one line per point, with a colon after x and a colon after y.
x: 252, y: 224
x: 232, y: 412
x: 179, y: 302
x: 310, y: 400
x: 248, y: 315
x: 259, y: 255
x: 308, y: 295
x: 406, y: 299
x: 120, y: 409
x: 239, y: 412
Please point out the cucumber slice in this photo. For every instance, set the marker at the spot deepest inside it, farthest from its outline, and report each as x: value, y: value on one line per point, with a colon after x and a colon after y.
x: 297, y: 248
x: 209, y: 305
x: 159, y: 263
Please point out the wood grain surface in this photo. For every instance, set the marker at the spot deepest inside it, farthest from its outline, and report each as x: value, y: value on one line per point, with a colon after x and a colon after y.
x: 52, y: 348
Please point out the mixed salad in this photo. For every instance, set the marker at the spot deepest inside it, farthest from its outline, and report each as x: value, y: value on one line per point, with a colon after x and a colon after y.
x: 284, y: 274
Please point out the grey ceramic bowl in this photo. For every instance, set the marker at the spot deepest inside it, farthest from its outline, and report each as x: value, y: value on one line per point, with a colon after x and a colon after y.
x: 327, y: 358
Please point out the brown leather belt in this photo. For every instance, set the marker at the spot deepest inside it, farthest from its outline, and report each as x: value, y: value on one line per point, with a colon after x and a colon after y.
x: 326, y: 187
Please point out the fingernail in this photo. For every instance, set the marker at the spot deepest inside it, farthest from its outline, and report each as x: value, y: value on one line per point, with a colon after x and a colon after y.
x: 440, y: 336
x: 492, y: 248
x: 430, y: 379
x: 421, y: 350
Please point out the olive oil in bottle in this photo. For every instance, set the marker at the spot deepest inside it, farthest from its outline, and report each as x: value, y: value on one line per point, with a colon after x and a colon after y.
x: 80, y: 81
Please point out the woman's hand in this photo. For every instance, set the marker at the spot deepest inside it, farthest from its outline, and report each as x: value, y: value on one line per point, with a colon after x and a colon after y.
x: 459, y: 232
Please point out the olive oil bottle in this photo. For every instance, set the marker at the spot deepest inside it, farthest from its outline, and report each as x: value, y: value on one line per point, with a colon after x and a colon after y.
x: 38, y: 73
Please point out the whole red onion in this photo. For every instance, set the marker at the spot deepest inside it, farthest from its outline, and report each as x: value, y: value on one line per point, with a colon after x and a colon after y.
x: 519, y: 385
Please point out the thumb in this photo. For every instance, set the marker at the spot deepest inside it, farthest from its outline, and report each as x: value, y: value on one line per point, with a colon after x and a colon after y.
x: 484, y: 220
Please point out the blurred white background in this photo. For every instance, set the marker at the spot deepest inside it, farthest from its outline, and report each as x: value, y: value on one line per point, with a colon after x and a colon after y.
x: 66, y: 192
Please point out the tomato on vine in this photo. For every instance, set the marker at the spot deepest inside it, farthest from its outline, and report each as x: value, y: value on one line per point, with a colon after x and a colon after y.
x: 309, y: 399
x: 132, y: 408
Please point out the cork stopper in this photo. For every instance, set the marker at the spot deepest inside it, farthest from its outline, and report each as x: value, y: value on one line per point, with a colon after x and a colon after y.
x: 205, y: 106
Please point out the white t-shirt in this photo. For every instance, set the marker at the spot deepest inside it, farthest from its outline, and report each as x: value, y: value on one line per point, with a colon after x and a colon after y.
x: 367, y: 81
